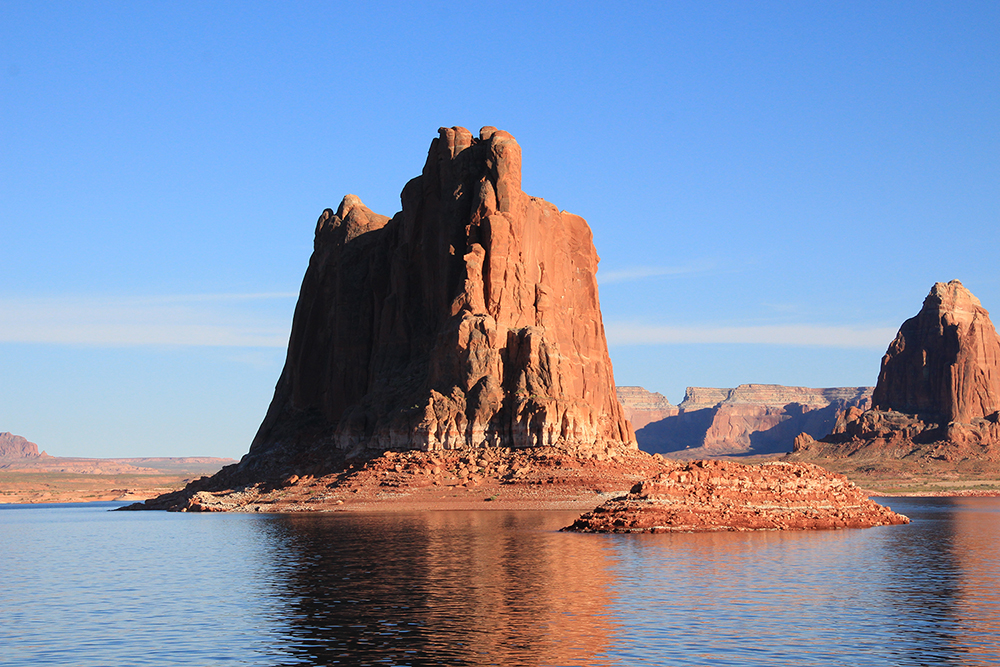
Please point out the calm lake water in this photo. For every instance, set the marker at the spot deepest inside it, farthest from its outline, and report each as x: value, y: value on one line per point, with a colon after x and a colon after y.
x: 84, y: 586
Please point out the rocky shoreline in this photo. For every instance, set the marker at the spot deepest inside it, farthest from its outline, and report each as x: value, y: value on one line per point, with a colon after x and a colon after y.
x: 664, y: 495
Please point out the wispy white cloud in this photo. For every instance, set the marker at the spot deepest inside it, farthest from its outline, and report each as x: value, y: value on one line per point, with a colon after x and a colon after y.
x: 642, y: 272
x: 231, y: 320
x: 620, y: 333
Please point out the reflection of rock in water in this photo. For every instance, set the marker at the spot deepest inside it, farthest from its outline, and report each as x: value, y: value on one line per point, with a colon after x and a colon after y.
x: 921, y: 586
x: 942, y: 582
x: 971, y: 555
x: 469, y: 588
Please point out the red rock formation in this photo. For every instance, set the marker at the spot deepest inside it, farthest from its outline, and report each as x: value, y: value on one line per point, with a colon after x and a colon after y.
x: 938, y: 391
x: 470, y: 319
x: 642, y: 406
x: 752, y: 418
x: 944, y: 362
x: 16, y: 447
x: 726, y: 496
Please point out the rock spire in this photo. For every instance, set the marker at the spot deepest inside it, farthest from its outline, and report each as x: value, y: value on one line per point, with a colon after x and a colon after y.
x: 938, y: 391
x: 470, y: 319
x: 944, y: 362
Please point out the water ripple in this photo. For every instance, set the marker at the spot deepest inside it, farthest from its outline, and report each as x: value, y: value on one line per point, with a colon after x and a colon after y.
x: 86, y: 587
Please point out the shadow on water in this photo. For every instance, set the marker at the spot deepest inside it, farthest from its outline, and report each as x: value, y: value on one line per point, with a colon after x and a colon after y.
x: 456, y: 588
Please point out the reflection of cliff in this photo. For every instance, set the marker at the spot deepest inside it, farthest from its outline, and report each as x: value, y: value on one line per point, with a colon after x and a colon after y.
x: 468, y: 588
x: 750, y: 419
x: 977, y: 550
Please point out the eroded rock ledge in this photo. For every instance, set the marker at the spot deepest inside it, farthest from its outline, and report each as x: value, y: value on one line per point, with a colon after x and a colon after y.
x: 725, y: 496
x: 482, y: 478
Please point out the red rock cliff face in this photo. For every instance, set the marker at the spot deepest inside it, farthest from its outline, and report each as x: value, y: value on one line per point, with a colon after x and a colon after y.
x: 938, y: 391
x: 470, y: 319
x: 752, y: 418
x: 17, y: 447
x: 945, y: 361
x: 643, y: 406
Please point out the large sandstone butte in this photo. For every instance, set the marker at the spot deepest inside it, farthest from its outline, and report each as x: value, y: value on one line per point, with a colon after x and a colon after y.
x: 944, y: 362
x: 468, y: 320
x: 750, y: 419
x: 938, y: 392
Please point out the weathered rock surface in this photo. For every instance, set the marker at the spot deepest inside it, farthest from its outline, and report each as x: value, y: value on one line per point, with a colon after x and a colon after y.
x: 938, y: 392
x: 642, y: 406
x: 469, y: 320
x: 480, y: 478
x: 750, y: 419
x: 944, y: 362
x: 727, y: 496
x: 17, y: 447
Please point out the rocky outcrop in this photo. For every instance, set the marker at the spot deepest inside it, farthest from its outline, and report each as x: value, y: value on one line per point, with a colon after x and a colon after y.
x: 938, y: 392
x: 642, y: 406
x: 17, y: 447
x: 944, y: 362
x: 727, y: 496
x: 468, y: 320
x: 750, y: 419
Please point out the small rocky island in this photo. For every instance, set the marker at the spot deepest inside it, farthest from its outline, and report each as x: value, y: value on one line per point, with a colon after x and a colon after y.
x: 710, y: 496
x: 452, y: 356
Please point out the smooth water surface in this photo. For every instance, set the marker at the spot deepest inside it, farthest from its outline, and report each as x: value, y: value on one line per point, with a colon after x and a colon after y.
x: 85, y: 586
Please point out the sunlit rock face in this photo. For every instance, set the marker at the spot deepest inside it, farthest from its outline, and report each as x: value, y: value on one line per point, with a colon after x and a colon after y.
x: 945, y: 361
x: 470, y: 319
x: 709, y: 496
x: 17, y: 447
x: 752, y: 418
x: 938, y: 392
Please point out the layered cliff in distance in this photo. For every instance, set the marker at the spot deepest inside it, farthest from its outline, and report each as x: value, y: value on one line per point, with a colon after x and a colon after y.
x: 17, y: 447
x: 712, y: 496
x: 468, y: 320
x: 938, y: 391
x: 750, y: 419
x: 643, y: 406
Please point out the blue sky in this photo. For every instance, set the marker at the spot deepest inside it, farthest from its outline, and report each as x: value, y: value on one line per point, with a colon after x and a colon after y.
x: 773, y: 187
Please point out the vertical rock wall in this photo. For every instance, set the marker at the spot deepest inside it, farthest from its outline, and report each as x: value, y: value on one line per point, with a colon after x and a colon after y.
x: 469, y: 319
x: 944, y: 362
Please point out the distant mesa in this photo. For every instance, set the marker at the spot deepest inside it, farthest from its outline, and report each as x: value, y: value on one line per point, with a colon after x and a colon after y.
x: 938, y: 392
x: 750, y: 419
x: 643, y: 406
x: 17, y: 447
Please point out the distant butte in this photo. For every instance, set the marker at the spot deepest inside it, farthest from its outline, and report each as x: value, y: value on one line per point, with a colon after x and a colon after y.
x: 938, y: 391
x: 17, y: 447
